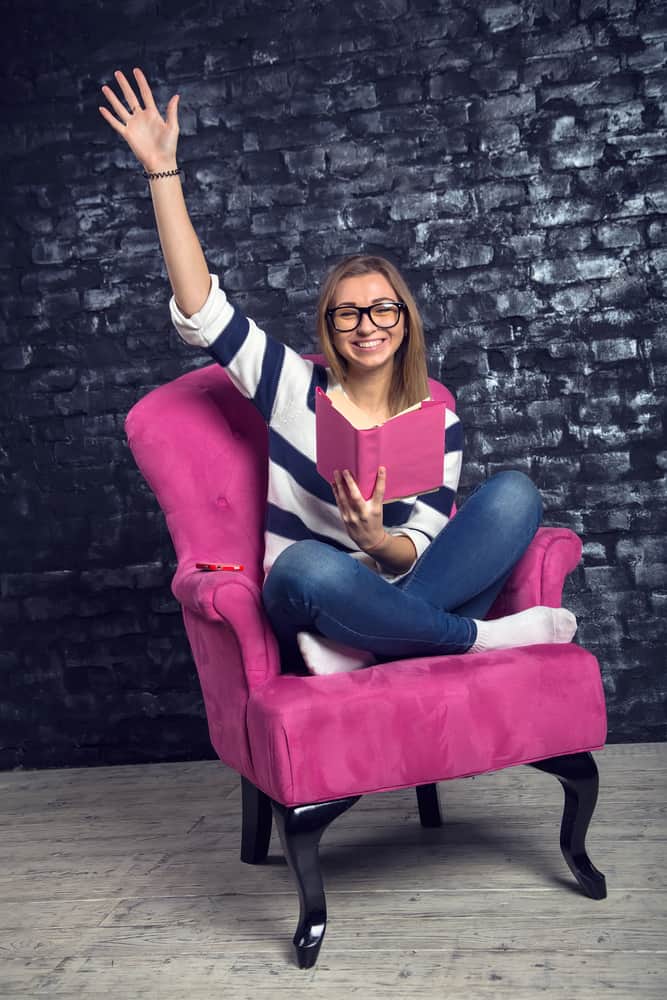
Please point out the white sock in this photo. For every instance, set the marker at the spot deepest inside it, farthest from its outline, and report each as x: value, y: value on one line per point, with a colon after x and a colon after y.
x: 325, y: 656
x: 527, y: 628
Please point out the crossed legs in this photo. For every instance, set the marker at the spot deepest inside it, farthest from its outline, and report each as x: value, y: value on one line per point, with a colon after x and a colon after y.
x: 436, y: 608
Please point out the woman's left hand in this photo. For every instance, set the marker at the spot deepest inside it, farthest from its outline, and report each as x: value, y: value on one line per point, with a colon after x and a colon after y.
x: 362, y: 518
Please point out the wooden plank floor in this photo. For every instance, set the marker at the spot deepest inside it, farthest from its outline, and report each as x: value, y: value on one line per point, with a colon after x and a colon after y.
x: 126, y: 881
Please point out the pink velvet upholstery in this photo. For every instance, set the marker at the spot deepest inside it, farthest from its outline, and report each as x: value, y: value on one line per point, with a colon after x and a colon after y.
x: 202, y: 448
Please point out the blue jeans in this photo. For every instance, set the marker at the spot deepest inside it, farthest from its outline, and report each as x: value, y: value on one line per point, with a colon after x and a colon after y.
x: 313, y: 587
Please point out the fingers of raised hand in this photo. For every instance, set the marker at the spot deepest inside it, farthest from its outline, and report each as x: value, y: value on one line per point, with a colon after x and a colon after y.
x: 128, y: 93
x: 122, y: 112
x: 144, y: 89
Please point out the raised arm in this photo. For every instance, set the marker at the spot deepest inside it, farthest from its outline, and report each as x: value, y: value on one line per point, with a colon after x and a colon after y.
x: 153, y: 141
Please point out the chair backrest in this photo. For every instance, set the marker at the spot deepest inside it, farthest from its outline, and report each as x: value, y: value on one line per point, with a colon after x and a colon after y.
x: 203, y: 449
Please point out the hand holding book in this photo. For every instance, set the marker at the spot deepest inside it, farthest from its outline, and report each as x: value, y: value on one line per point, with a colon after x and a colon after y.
x: 362, y: 518
x: 411, y: 445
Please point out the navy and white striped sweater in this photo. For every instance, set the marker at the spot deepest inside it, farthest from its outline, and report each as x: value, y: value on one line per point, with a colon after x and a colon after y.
x: 282, y: 384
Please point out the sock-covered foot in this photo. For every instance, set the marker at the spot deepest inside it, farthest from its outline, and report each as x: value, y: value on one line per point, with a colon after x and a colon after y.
x: 325, y: 656
x: 527, y: 628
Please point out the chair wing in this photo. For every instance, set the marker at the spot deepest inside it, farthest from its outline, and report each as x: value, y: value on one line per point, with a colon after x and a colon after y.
x: 202, y: 448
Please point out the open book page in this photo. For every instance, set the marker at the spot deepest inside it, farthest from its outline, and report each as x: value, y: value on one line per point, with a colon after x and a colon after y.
x: 356, y: 416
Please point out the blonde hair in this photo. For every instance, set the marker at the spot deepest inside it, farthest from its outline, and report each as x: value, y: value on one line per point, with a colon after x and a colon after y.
x: 409, y: 383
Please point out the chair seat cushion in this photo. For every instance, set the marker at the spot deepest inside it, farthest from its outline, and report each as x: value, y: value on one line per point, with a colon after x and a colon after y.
x: 413, y: 722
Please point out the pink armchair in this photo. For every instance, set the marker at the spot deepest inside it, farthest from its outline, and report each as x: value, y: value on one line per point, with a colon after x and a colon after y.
x: 307, y: 748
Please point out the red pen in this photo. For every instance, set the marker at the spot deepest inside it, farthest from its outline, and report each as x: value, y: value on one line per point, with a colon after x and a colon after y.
x: 211, y: 567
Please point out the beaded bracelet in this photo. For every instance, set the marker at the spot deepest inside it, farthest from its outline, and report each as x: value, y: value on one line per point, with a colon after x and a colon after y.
x: 163, y: 173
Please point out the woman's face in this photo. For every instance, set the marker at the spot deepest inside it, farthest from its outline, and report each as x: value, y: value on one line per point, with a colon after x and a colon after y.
x: 370, y: 347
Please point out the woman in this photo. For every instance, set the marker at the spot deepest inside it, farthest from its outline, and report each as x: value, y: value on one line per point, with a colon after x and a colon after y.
x: 348, y: 581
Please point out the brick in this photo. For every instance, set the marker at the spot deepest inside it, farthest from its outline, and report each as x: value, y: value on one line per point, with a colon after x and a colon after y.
x: 24, y: 584
x: 515, y: 302
x: 507, y: 106
x: 55, y: 380
x: 546, y: 186
x: 628, y: 117
x: 38, y: 609
x: 551, y: 272
x: 601, y: 467
x: 614, y: 350
x: 573, y: 300
x: 352, y: 98
x: 650, y: 57
x: 393, y: 9
x: 289, y: 275
x: 652, y: 575
x: 500, y: 137
x: 352, y: 159
x: 560, y: 212
x: 319, y: 102
x: 595, y: 553
x: 659, y: 605
x: 625, y: 291
x: 51, y: 251
x: 279, y: 194
x: 616, y: 89
x: 308, y: 163
x: 97, y: 299
x: 16, y: 358
x: 577, y: 154
x: 413, y: 206
x: 530, y: 245
x: 263, y: 166
x: 620, y: 234
x: 399, y: 89
x: 487, y: 279
x: 602, y: 578
x: 564, y: 128
x: 495, y: 195
x: 465, y: 255
x: 640, y: 550
x: 657, y: 232
x: 648, y: 145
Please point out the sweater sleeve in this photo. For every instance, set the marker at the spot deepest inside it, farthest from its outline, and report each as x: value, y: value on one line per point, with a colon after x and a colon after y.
x: 254, y: 361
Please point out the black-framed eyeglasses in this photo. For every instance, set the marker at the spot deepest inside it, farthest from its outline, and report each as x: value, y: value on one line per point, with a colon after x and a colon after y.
x: 383, y: 314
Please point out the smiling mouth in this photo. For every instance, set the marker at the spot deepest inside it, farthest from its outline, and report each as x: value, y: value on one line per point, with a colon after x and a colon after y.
x: 368, y: 345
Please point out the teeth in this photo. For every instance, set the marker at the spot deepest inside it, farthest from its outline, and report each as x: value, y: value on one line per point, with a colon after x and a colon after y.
x: 368, y: 343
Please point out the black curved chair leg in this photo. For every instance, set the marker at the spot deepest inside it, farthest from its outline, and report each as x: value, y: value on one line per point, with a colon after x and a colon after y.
x: 301, y: 828
x: 429, y: 805
x: 256, y: 823
x: 578, y: 774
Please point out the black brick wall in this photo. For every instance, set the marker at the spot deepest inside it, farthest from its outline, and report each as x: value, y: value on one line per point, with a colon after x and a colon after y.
x: 509, y: 156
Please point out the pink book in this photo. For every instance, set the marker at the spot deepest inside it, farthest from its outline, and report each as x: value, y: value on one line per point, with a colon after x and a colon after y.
x: 411, y: 445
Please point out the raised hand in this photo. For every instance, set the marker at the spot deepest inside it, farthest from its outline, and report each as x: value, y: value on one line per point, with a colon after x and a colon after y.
x: 152, y: 139
x: 362, y: 518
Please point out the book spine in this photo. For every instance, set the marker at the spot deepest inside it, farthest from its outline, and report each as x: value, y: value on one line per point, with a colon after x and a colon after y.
x: 369, y: 449
x: 345, y: 443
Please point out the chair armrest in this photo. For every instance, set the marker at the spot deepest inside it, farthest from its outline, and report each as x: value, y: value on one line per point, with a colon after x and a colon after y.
x: 540, y: 574
x: 233, y: 599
